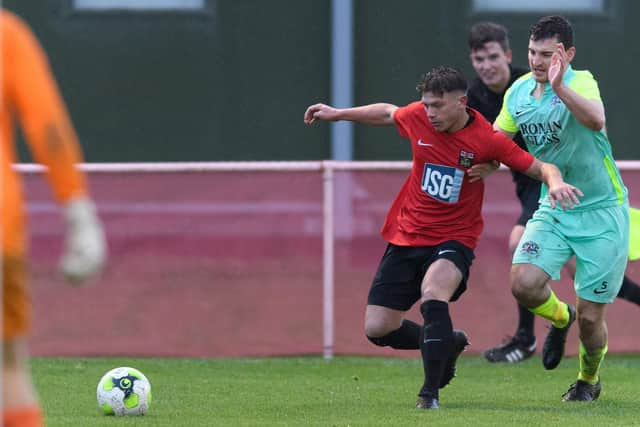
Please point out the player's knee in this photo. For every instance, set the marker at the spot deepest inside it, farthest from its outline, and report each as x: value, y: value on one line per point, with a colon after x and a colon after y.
x: 524, y: 281
x: 379, y: 341
x: 516, y: 290
x: 590, y: 322
x: 376, y: 331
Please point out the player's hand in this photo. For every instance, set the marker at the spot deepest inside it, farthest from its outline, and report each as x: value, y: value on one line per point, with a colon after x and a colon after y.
x: 566, y: 195
x: 559, y: 62
x: 321, y: 112
x: 85, y: 248
x: 482, y: 170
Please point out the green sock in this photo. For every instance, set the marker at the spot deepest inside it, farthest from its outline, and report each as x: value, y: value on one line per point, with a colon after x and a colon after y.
x: 590, y: 364
x: 553, y: 309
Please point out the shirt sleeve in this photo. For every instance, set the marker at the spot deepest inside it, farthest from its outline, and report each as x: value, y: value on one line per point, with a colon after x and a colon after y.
x: 34, y: 93
x: 402, y: 117
x: 505, y: 119
x: 585, y: 85
x: 508, y: 152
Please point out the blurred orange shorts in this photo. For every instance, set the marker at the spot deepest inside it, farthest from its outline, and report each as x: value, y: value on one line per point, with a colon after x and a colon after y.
x: 16, y: 321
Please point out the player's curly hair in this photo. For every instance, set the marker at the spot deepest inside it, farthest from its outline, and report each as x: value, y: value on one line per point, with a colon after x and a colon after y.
x: 552, y: 26
x: 442, y: 80
x: 485, y: 32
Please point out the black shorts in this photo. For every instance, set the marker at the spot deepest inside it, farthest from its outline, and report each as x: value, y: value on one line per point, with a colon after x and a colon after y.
x: 528, y: 193
x: 400, y: 272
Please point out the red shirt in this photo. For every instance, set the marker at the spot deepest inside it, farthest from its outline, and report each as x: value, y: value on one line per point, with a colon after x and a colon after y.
x: 437, y: 201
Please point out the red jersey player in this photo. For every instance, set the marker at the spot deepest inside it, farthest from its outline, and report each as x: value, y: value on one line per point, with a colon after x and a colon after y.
x: 435, y: 221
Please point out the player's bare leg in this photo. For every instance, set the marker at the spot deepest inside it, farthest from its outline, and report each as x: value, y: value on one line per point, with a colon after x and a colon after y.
x: 387, y: 327
x: 593, y: 347
x: 522, y: 344
x: 19, y: 401
x: 529, y: 286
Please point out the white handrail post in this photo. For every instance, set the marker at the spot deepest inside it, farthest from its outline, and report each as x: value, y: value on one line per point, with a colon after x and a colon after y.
x: 327, y: 261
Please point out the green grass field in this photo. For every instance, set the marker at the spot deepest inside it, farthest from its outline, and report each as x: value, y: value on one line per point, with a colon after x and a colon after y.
x: 348, y: 391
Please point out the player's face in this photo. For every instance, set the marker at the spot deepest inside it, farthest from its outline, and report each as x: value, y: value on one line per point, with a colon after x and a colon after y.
x: 447, y: 112
x: 492, y: 65
x: 540, y: 53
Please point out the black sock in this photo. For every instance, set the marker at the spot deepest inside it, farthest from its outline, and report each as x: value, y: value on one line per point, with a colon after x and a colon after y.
x: 437, y: 344
x: 406, y: 337
x: 525, y: 324
x: 630, y: 291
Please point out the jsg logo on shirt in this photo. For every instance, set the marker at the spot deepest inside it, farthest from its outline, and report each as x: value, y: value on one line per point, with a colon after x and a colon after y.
x: 442, y: 182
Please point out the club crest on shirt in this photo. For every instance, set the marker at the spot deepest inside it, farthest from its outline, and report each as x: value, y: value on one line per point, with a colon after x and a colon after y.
x: 465, y: 159
x: 530, y: 248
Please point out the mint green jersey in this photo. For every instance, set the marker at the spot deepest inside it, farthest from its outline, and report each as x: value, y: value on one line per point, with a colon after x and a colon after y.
x: 553, y: 135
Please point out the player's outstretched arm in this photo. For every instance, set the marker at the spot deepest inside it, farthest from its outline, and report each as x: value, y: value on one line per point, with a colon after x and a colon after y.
x: 373, y: 114
x: 566, y: 195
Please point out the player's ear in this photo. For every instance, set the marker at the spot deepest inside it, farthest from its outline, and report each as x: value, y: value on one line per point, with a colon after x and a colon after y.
x: 463, y: 100
x: 509, y: 54
x: 571, y: 53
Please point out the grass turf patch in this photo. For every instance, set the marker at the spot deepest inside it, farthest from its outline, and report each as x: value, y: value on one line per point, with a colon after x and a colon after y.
x: 347, y: 391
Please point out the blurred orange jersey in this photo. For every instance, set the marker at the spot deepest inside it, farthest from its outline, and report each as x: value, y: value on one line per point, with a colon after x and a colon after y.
x: 30, y: 95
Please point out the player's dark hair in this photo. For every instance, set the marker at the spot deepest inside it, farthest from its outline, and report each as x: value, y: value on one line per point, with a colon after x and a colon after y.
x: 442, y: 80
x: 485, y: 32
x: 552, y: 26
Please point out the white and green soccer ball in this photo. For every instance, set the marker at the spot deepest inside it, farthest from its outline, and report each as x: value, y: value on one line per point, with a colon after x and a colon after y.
x: 124, y: 391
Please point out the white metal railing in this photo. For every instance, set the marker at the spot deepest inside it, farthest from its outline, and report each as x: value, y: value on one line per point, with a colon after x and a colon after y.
x: 328, y: 167
x: 255, y: 166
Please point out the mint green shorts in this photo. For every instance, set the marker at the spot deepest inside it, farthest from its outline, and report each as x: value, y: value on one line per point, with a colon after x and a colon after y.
x: 599, y: 238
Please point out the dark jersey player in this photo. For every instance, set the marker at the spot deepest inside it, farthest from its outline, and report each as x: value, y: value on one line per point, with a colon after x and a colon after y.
x: 435, y: 221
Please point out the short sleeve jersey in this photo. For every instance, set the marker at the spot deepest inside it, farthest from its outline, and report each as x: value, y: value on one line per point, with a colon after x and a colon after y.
x: 554, y: 135
x: 489, y: 103
x: 437, y: 201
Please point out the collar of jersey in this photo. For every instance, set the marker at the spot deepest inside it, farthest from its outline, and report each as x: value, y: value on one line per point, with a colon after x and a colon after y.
x: 568, y: 75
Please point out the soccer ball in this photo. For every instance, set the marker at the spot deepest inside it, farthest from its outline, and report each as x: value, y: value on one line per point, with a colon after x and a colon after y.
x: 124, y: 391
